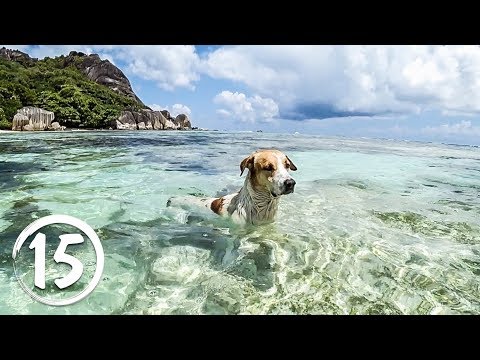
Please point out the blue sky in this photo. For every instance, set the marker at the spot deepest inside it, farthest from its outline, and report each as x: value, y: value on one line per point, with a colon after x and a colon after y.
x: 427, y: 93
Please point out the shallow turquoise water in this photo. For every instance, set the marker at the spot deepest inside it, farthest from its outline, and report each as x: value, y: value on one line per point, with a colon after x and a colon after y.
x: 374, y: 226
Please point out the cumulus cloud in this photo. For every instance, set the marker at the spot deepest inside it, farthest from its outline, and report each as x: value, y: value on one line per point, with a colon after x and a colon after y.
x: 224, y: 113
x: 156, y: 107
x: 174, y: 110
x: 170, y: 66
x: 354, y: 80
x: 247, y: 109
x: 180, y: 109
x: 464, y: 127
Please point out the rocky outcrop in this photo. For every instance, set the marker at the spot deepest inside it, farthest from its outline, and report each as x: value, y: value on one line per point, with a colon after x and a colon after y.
x: 183, y: 122
x: 126, y: 121
x: 19, y: 121
x: 147, y: 119
x: 102, y: 72
x: 16, y: 55
x: 55, y: 126
x: 31, y: 118
x: 166, y: 114
x: 170, y: 125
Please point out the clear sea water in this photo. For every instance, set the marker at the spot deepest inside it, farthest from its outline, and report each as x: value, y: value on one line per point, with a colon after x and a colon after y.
x: 374, y: 226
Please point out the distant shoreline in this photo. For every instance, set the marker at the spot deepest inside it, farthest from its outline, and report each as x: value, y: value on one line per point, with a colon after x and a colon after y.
x: 113, y: 130
x: 59, y: 131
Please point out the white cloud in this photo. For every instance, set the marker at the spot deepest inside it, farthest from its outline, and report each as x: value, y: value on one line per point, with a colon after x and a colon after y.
x: 180, y: 109
x: 108, y: 57
x: 248, y: 109
x: 170, y: 66
x: 463, y: 127
x: 370, y: 79
x: 156, y: 107
x: 174, y: 110
x: 224, y: 113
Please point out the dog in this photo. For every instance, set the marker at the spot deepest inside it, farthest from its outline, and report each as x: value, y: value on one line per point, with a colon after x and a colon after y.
x: 256, y: 202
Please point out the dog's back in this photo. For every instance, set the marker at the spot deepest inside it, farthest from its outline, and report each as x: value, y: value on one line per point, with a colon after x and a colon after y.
x: 218, y: 205
x: 187, y: 201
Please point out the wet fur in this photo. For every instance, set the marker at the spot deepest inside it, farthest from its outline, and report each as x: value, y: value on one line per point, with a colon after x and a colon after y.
x: 256, y: 202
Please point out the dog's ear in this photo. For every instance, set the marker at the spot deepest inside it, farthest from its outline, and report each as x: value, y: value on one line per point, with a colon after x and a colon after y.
x: 246, y: 163
x: 292, y: 165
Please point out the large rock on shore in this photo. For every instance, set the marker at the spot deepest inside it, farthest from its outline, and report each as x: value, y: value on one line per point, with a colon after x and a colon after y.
x: 126, y: 121
x: 166, y: 114
x: 144, y: 119
x: 183, y: 122
x: 19, y: 121
x: 55, y: 126
x: 31, y: 118
x: 170, y: 123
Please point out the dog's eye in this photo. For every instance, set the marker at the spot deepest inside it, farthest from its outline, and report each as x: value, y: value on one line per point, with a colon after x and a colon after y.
x: 269, y: 167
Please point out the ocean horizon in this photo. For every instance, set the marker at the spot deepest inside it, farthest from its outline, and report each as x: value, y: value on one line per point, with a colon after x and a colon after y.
x: 294, y: 133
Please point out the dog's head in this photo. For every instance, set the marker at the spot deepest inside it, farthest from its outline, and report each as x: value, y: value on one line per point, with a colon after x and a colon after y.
x: 269, y: 170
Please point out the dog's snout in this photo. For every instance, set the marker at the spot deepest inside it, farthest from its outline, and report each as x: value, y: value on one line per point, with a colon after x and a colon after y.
x: 289, y: 184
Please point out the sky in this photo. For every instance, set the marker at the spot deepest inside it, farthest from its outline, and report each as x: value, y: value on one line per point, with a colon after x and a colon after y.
x: 425, y: 93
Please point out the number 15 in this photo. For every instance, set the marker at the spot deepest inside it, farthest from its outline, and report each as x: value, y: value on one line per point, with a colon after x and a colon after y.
x: 38, y: 244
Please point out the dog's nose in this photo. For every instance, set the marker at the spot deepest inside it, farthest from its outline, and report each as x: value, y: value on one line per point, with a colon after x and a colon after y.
x: 289, y: 184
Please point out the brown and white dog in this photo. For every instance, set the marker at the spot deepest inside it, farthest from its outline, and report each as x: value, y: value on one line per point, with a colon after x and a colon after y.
x: 257, y: 201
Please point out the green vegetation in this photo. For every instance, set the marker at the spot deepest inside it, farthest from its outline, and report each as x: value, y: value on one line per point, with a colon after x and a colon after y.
x: 65, y: 90
x: 4, y: 123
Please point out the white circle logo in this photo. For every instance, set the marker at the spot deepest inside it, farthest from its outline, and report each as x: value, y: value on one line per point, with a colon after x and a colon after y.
x: 38, y: 245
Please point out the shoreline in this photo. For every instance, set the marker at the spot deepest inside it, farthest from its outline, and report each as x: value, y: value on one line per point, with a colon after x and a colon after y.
x: 84, y: 130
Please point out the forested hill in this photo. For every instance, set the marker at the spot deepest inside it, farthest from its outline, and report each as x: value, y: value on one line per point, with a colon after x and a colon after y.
x: 82, y: 90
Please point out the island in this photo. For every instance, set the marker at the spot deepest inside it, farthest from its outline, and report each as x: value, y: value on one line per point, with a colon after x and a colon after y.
x: 77, y: 91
